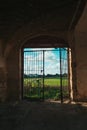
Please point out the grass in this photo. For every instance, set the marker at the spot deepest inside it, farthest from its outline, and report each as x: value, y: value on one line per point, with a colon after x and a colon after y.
x: 55, y: 82
x: 33, y: 88
x: 47, y: 81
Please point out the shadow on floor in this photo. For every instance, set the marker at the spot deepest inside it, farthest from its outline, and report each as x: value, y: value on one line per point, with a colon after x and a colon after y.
x: 43, y: 116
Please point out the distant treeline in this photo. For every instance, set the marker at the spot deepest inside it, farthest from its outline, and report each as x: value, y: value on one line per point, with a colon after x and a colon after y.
x: 47, y: 76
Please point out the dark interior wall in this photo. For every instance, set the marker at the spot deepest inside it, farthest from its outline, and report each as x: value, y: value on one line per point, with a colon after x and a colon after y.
x: 13, y: 53
x: 20, y: 27
x: 12, y: 67
x: 3, y: 74
x: 80, y: 37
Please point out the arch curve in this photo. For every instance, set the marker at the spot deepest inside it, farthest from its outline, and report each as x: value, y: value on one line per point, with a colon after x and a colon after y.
x: 32, y: 31
x: 45, y: 41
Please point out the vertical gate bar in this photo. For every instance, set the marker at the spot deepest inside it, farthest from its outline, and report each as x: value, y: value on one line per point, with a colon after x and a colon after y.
x: 30, y: 72
x: 29, y: 66
x: 43, y: 75
x: 35, y: 70
x: 61, y: 91
x: 38, y: 61
x: 22, y: 55
x: 26, y: 92
x: 27, y: 71
x: 42, y: 72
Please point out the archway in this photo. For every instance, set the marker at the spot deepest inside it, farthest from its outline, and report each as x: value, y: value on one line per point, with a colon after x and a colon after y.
x: 35, y: 84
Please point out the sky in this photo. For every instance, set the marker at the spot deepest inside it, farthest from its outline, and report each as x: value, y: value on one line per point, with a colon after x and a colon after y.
x: 33, y: 61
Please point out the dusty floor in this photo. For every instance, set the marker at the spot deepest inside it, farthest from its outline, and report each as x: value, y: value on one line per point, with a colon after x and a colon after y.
x: 43, y: 116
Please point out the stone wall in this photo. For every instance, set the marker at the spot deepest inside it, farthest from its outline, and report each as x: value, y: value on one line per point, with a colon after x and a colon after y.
x: 3, y: 73
x: 10, y: 63
x: 13, y: 55
x: 81, y: 56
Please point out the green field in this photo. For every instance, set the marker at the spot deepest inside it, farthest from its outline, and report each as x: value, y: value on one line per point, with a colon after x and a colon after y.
x: 33, y: 87
x: 47, y: 81
x: 55, y: 81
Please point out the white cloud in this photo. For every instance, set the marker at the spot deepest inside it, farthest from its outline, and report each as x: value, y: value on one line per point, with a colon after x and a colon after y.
x: 33, y: 61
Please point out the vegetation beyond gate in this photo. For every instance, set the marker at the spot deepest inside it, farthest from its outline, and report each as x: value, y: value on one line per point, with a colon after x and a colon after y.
x: 33, y: 87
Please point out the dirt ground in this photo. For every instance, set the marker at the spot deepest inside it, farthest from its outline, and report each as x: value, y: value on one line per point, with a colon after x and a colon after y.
x: 26, y: 115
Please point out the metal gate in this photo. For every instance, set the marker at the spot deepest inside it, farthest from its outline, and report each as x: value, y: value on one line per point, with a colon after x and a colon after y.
x: 33, y: 81
x: 45, y: 73
x: 64, y: 76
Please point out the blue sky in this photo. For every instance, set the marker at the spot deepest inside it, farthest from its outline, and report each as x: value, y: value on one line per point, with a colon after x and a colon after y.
x: 51, y: 61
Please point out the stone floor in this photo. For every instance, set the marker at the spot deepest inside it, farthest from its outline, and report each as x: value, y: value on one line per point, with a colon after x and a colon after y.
x: 43, y: 116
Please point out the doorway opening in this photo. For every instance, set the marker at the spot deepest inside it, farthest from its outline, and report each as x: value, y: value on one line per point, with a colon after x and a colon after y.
x: 45, y: 74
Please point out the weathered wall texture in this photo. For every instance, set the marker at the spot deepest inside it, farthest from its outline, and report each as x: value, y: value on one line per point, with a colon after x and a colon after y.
x: 3, y: 74
x: 81, y: 56
x: 13, y: 59
x: 10, y: 63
